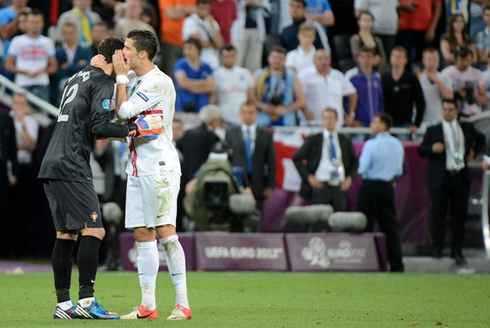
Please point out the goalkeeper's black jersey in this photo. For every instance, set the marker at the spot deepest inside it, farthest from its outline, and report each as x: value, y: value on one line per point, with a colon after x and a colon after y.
x: 83, y: 115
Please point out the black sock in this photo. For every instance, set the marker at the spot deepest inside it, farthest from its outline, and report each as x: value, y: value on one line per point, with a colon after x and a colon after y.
x: 61, y: 260
x: 88, y: 258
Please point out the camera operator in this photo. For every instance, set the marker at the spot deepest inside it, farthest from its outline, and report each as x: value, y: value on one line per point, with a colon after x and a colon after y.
x: 467, y: 83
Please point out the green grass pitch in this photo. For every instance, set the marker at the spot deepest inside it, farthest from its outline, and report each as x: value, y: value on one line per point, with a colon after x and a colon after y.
x: 260, y: 299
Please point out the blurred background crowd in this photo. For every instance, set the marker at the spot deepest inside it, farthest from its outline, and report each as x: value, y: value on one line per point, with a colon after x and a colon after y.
x: 242, y: 70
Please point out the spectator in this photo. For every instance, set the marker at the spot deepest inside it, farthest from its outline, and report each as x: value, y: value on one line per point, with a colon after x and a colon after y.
x: 486, y: 80
x: 106, y: 10
x: 71, y: 58
x: 367, y: 82
x: 248, y: 32
x: 417, y: 26
x: 467, y: 84
x: 327, y: 164
x: 132, y: 19
x: 302, y: 57
x: 380, y: 163
x: 234, y: 85
x: 100, y: 31
x: 402, y: 92
x: 290, y: 33
x: 366, y: 38
x: 254, y: 152
x: 385, y: 19
x: 476, y: 21
x: 194, y: 79
x: 278, y: 92
x: 320, y: 11
x: 456, y: 35
x: 204, y: 27
x: 325, y: 87
x: 197, y: 143
x: 9, y: 25
x: 225, y: 13
x: 26, y: 131
x: 483, y: 37
x: 435, y: 87
x: 172, y: 14
x: 32, y: 58
x: 450, y: 146
x: 82, y: 17
x: 9, y: 172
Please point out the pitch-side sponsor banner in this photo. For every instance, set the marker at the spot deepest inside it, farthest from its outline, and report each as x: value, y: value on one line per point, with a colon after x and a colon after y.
x: 236, y: 252
x: 129, y: 251
x: 332, y: 252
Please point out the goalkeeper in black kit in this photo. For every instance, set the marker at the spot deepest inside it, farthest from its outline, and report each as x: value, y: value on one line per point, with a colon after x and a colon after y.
x: 67, y: 179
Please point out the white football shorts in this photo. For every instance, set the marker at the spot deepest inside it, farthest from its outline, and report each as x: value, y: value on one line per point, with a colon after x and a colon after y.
x: 151, y: 200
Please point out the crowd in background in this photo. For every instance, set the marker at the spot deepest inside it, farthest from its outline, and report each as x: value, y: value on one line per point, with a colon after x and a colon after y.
x: 239, y: 64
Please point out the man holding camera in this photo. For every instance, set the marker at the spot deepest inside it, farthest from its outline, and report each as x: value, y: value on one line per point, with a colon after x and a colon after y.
x: 467, y: 84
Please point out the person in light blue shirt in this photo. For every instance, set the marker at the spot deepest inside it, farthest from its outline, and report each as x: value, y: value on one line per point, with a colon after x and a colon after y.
x: 380, y: 162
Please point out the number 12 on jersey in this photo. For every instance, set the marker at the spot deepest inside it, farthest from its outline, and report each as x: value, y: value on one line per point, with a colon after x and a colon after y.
x: 68, y: 95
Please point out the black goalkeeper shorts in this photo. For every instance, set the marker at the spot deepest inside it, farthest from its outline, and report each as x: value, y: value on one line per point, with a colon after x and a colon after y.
x: 74, y: 205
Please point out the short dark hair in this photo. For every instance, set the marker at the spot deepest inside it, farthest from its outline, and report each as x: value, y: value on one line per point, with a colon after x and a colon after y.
x: 36, y: 12
x: 109, y: 45
x: 249, y: 102
x: 227, y: 47
x: 485, y: 8
x: 386, y: 119
x: 331, y: 110
x: 303, y: 2
x: 400, y: 49
x: 102, y: 23
x: 368, y: 50
x: 462, y: 51
x: 204, y: 2
x: 194, y: 41
x: 278, y: 49
x: 144, y: 40
x: 449, y: 101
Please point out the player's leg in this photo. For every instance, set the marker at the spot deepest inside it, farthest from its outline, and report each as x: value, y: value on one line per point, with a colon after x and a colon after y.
x: 81, y: 205
x: 177, y: 270
x: 141, y: 203
x: 166, y: 222
x: 61, y: 258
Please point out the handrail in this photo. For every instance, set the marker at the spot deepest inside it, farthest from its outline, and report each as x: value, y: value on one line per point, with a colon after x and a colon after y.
x: 45, y: 107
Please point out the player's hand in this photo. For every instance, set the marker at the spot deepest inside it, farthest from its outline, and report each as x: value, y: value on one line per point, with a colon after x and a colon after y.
x: 148, y: 127
x: 98, y: 61
x: 121, y: 66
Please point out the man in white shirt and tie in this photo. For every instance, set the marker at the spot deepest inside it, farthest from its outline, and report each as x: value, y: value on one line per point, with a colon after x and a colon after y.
x: 253, y: 151
x: 450, y: 146
x: 327, y: 164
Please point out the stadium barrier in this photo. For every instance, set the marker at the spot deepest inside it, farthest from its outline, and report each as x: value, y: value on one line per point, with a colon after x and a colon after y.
x: 319, y: 252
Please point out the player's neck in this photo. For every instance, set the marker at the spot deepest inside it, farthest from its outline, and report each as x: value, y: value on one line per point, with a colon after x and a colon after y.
x: 108, y: 69
x: 144, y: 68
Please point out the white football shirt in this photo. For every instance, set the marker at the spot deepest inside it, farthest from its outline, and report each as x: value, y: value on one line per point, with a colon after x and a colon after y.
x: 151, y: 94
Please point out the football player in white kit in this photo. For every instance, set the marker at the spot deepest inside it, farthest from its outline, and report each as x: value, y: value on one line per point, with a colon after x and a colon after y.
x: 153, y: 172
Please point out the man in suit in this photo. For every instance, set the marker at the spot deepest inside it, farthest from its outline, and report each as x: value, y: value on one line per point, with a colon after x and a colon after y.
x: 253, y: 151
x: 9, y: 170
x: 327, y: 164
x: 450, y: 146
x: 197, y: 143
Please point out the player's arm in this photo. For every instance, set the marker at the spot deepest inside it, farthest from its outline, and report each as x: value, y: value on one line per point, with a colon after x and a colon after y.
x: 102, y: 127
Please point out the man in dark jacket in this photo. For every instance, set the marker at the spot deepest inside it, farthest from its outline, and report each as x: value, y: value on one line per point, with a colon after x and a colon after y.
x: 450, y: 146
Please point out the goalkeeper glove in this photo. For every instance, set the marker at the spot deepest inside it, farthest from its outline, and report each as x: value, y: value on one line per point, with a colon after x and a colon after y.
x: 148, y: 127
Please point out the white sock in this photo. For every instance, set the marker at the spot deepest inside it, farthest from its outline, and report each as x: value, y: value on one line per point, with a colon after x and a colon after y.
x: 85, y: 302
x: 65, y: 305
x: 176, y: 268
x: 148, y: 263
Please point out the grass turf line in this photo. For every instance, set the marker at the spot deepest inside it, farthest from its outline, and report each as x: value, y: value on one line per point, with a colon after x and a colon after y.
x: 261, y: 299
